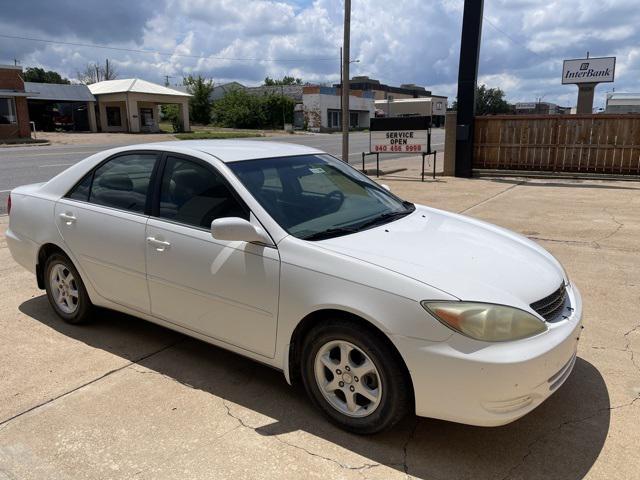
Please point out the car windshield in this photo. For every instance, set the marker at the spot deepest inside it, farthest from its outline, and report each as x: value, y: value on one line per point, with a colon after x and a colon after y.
x: 315, y: 197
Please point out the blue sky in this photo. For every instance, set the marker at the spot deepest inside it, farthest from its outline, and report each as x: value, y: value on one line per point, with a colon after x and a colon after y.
x: 405, y: 41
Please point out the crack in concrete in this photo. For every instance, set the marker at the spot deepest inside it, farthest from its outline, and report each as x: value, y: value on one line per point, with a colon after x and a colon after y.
x: 6, y: 421
x: 366, y: 466
x: 628, y: 348
x: 486, y: 200
x: 581, y: 243
x: 615, y: 230
x: 543, y: 435
x: 405, y: 448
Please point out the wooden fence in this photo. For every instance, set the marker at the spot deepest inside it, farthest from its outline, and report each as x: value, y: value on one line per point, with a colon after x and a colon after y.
x: 608, y: 144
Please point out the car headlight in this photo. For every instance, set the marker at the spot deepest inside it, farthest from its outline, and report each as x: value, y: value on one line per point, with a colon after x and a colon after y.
x: 486, y: 321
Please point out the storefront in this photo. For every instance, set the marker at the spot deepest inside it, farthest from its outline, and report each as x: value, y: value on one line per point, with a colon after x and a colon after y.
x: 61, y: 107
x: 133, y: 105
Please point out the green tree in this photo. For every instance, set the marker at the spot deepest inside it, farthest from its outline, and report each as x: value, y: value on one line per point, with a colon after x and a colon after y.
x: 239, y: 109
x: 200, y: 102
x: 286, y: 80
x: 171, y: 112
x: 40, y: 75
x: 489, y: 101
x: 278, y: 109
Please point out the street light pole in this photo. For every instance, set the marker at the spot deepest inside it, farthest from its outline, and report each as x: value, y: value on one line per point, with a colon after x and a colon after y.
x: 341, y: 80
x: 284, y: 120
x: 345, y: 81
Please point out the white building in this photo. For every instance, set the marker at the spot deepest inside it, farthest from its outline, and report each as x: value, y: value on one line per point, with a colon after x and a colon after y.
x: 433, y: 106
x: 132, y: 105
x: 623, y: 103
x: 321, y: 108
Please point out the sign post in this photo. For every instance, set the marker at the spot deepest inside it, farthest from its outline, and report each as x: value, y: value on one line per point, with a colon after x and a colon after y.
x: 586, y: 73
x: 400, y: 135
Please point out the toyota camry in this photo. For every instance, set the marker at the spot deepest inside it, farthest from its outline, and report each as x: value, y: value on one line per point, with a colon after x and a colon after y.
x: 289, y: 256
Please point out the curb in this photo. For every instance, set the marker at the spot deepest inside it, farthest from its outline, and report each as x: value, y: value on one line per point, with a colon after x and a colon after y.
x: 482, y: 173
x: 35, y: 144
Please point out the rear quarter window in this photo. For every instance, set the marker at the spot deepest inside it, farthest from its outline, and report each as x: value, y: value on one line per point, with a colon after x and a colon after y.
x: 82, y: 189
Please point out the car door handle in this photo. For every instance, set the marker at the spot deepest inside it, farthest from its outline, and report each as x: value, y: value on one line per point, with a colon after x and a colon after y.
x: 68, y: 218
x: 159, y: 245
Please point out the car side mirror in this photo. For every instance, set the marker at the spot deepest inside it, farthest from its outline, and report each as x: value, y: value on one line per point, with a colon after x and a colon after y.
x: 234, y: 229
x: 386, y: 187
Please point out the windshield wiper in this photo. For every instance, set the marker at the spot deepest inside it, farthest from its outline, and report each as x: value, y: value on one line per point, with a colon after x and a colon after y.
x: 380, y: 219
x: 330, y: 233
x: 386, y: 217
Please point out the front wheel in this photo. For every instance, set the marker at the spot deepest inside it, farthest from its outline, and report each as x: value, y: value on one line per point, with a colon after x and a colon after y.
x: 65, y: 290
x: 355, y: 377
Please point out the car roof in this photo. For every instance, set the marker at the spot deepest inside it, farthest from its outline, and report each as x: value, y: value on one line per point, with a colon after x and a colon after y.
x: 232, y: 150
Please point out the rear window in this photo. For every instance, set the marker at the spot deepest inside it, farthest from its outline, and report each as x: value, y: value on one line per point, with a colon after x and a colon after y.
x: 122, y: 182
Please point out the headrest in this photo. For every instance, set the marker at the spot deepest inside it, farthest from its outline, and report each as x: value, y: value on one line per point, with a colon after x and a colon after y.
x: 116, y: 181
x: 254, y: 179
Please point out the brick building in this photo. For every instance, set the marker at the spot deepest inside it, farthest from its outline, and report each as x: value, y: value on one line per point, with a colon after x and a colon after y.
x: 14, y: 113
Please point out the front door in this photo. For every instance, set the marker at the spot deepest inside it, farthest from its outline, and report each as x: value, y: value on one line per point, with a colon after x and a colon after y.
x: 103, y: 221
x: 225, y: 290
x: 146, y: 114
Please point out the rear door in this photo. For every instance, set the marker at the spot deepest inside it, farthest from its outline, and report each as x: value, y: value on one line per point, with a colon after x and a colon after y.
x: 225, y: 290
x: 103, y: 220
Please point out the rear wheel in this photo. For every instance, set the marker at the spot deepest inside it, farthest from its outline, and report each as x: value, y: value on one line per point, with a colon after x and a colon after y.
x: 355, y: 377
x: 65, y: 290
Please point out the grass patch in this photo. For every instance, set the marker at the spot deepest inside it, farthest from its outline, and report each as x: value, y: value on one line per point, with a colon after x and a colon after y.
x: 213, y: 135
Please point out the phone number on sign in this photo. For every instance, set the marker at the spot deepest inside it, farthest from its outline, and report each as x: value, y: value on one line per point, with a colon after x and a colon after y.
x: 397, y: 148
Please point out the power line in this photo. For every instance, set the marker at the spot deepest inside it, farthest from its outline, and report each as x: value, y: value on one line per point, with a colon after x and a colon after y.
x: 169, y: 54
x: 513, y: 40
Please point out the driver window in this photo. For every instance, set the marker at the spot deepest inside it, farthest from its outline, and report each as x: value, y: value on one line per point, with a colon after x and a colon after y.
x: 195, y: 195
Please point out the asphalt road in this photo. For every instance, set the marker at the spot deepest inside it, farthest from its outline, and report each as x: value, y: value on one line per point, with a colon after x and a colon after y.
x: 32, y: 164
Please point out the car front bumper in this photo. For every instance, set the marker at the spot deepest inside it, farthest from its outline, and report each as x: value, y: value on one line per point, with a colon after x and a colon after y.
x: 491, y: 384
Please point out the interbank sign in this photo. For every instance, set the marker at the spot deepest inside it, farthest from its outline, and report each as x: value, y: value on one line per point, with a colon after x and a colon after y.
x: 589, y: 70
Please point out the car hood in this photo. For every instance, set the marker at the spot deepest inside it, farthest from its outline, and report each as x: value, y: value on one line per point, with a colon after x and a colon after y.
x: 467, y: 258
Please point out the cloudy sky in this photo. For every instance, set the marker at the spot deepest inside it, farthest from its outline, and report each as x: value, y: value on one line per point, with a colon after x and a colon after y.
x: 401, y: 41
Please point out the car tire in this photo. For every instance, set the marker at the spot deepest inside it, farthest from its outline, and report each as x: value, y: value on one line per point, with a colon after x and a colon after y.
x: 388, y: 394
x: 65, y: 290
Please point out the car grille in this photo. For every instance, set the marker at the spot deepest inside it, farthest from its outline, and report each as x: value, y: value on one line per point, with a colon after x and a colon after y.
x: 551, y: 306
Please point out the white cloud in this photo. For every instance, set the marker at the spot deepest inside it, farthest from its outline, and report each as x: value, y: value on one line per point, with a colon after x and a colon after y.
x: 406, y: 41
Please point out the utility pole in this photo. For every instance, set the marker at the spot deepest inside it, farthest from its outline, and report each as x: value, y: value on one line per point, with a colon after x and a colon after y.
x: 467, y: 80
x: 166, y: 80
x: 341, y: 80
x: 345, y: 81
x: 284, y: 121
x: 15, y: 61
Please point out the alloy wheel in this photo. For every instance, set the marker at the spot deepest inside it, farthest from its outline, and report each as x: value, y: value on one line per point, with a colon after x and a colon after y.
x: 348, y: 379
x: 64, y: 288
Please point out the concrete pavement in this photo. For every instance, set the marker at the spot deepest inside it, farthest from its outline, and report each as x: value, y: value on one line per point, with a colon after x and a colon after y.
x: 121, y: 398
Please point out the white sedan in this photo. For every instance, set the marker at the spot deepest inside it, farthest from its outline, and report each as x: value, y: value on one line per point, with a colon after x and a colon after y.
x: 288, y: 256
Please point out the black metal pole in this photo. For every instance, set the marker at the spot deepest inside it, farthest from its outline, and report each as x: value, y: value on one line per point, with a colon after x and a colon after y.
x: 363, y: 170
x: 467, y: 79
x: 435, y: 155
x: 377, y: 164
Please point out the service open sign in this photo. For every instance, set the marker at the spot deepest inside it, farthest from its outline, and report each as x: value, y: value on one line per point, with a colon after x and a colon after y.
x: 399, y: 134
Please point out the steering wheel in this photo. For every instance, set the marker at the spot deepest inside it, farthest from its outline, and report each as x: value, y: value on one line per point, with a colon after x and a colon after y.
x: 335, y: 195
